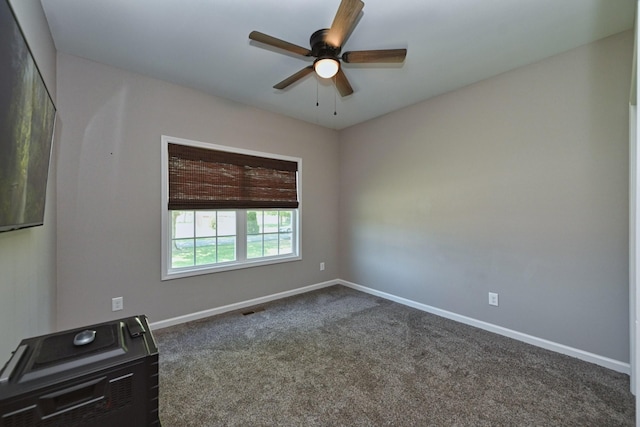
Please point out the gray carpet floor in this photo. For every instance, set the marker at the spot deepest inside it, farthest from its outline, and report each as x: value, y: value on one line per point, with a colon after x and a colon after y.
x: 339, y: 357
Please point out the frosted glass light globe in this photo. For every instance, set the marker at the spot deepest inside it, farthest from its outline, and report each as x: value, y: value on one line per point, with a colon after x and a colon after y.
x: 326, y: 67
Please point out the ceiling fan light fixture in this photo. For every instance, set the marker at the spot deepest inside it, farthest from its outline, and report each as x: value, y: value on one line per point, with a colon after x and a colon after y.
x: 326, y: 67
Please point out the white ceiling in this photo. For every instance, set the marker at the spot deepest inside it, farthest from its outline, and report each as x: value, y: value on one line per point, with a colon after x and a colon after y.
x: 204, y: 44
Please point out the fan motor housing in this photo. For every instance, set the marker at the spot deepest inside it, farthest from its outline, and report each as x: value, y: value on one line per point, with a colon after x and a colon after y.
x: 319, y: 48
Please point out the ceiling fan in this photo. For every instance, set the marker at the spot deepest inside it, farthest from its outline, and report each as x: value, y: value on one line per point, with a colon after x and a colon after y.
x: 326, y: 45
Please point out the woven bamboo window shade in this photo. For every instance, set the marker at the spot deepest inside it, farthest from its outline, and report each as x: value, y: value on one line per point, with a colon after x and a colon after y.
x: 201, y: 178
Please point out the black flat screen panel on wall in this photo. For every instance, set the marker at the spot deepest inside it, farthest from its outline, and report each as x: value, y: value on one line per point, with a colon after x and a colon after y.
x: 27, y: 117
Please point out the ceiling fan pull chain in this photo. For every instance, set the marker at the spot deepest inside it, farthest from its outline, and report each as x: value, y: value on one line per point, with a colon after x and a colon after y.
x: 317, y: 84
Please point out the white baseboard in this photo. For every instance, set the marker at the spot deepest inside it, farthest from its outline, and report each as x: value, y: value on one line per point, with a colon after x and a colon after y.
x: 237, y: 306
x: 606, y: 362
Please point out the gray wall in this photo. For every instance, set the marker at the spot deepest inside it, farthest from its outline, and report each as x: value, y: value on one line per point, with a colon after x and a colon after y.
x: 109, y: 194
x: 516, y: 185
x: 28, y: 257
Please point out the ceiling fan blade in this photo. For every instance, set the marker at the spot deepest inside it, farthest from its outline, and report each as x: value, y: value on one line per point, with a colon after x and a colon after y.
x: 343, y: 22
x: 342, y: 84
x: 281, y: 44
x: 294, y: 78
x: 363, y: 56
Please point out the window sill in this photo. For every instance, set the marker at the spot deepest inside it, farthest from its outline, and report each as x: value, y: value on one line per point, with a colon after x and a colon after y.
x: 198, y: 271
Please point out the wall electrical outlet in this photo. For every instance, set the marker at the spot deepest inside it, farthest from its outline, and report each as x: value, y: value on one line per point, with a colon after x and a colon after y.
x: 117, y: 304
x: 493, y: 298
x: 322, y: 266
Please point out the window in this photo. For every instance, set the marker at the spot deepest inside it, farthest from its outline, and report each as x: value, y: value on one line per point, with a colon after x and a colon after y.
x: 225, y: 208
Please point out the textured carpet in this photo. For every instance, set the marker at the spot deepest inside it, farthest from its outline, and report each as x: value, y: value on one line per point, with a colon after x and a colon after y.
x: 338, y: 357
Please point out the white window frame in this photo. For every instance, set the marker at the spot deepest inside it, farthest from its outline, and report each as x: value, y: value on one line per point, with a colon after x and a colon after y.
x: 241, y: 261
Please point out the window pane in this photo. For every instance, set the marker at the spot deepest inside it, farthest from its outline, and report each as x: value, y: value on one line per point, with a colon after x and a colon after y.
x: 227, y: 223
x: 205, y: 251
x: 181, y: 224
x: 270, y: 244
x: 227, y: 248
x: 254, y: 222
x: 254, y: 246
x: 286, y: 235
x: 182, y: 253
x: 285, y: 221
x: 205, y: 223
x: 285, y: 243
x: 270, y: 222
